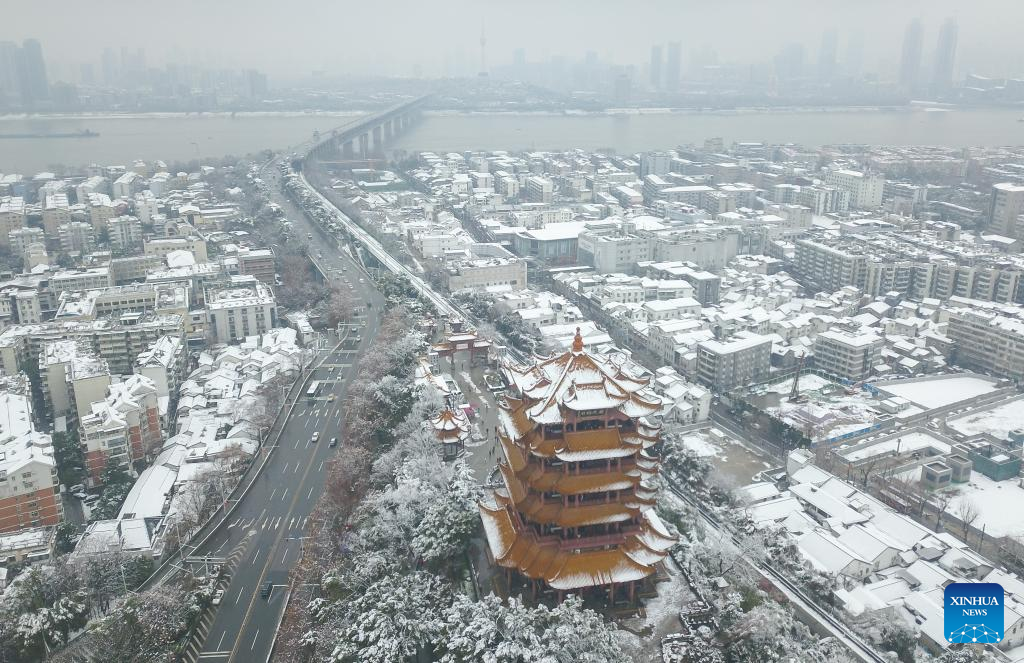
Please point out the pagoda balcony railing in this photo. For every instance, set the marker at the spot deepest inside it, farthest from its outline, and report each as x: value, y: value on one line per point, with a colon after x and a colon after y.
x: 586, y: 542
x: 627, y: 465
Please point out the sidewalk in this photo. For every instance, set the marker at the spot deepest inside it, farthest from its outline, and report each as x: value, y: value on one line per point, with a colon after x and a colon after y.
x: 482, y: 452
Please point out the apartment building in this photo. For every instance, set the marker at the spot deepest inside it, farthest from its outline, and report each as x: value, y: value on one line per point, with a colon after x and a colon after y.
x: 125, y: 233
x: 122, y: 427
x: 72, y: 377
x: 80, y: 279
x: 12, y: 216
x: 258, y: 263
x: 610, y: 250
x: 242, y: 307
x: 1005, y: 206
x: 850, y: 355
x: 118, y: 341
x: 76, y: 237
x: 56, y: 212
x: 29, y: 488
x: 988, y: 341
x: 539, y: 189
x: 865, y: 189
x: 726, y: 365
x: 161, y: 247
x: 164, y: 362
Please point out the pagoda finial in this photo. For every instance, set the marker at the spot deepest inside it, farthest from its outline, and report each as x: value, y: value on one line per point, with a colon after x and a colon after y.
x: 577, y: 342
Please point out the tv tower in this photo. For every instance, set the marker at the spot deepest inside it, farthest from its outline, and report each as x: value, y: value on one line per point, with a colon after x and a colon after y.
x: 483, y: 50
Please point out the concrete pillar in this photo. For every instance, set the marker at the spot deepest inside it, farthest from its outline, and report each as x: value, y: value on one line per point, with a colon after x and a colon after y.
x: 346, y: 150
x: 364, y: 145
x: 378, y: 142
x: 389, y: 129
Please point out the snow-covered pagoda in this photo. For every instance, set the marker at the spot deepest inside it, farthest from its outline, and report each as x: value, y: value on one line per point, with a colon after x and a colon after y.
x: 575, y: 512
x: 452, y: 429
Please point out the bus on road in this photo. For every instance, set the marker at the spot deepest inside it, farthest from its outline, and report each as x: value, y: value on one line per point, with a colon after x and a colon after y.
x: 314, y: 389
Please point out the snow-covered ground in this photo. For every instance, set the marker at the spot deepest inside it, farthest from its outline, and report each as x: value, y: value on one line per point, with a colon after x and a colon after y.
x: 998, y: 421
x: 828, y: 416
x: 809, y: 382
x: 903, y: 444
x: 998, y: 504
x: 700, y: 443
x: 941, y: 391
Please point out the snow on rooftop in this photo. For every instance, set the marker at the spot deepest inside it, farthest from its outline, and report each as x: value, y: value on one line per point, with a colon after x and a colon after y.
x: 939, y: 391
x: 901, y: 444
x: 997, y: 421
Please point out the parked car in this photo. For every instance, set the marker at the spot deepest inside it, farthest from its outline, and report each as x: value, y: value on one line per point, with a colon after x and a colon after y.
x: 217, y: 596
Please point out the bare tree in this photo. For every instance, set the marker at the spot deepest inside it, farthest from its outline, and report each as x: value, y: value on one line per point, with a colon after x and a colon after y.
x: 941, y: 501
x: 968, y: 512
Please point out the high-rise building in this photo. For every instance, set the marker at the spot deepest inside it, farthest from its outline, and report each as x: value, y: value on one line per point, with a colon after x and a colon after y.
x: 10, y: 92
x: 576, y: 511
x: 673, y: 65
x: 945, y: 57
x: 32, y: 73
x: 828, y: 54
x: 910, y: 61
x: 622, y: 88
x: 853, y: 60
x: 1006, y: 205
x: 656, y: 66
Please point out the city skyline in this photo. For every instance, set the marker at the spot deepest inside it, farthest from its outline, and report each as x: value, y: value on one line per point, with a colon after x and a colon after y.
x: 987, y: 42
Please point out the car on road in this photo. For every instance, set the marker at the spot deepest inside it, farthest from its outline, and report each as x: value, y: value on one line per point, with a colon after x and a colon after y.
x: 217, y: 597
x: 316, y: 437
x: 334, y: 441
x: 330, y: 399
x: 267, y: 588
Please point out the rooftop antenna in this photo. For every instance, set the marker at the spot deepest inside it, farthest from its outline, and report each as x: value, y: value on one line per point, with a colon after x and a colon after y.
x: 483, y: 50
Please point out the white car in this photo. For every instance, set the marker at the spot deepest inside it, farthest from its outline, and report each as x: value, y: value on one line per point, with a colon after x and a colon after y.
x: 217, y: 597
x: 316, y: 436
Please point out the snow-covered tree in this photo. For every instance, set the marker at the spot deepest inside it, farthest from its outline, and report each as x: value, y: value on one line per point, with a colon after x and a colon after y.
x: 493, y: 631
x: 450, y: 519
x: 394, y: 620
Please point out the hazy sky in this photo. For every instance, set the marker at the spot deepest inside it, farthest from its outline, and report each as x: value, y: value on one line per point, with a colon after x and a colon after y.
x: 294, y: 37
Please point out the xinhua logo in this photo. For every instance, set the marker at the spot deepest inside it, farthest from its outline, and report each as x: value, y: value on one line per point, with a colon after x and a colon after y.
x: 973, y: 612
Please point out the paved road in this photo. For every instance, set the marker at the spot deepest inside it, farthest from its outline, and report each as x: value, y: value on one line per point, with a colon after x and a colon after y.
x: 263, y: 538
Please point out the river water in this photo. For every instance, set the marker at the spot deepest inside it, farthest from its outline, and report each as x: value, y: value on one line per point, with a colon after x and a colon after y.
x: 178, y: 137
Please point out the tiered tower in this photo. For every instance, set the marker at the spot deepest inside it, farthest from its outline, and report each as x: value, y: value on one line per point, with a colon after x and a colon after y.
x: 452, y: 430
x: 574, y: 514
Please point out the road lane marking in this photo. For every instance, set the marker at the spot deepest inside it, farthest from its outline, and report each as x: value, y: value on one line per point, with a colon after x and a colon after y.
x: 321, y: 468
x: 222, y: 636
x: 272, y: 493
x: 310, y: 496
x: 284, y: 556
x: 283, y: 495
x: 285, y: 468
x: 253, y: 646
x: 296, y: 470
x: 237, y: 599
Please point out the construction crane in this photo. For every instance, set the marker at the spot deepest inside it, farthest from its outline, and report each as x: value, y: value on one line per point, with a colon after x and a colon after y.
x: 794, y: 393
